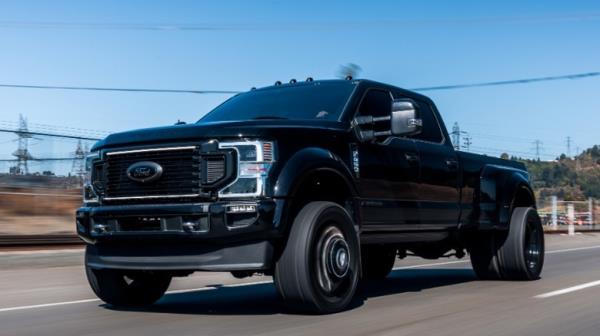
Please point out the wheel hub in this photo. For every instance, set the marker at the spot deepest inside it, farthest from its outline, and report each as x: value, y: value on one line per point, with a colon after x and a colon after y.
x: 333, y: 259
x: 339, y: 257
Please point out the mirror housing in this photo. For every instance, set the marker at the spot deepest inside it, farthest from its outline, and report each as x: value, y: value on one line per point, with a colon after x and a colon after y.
x: 404, y: 119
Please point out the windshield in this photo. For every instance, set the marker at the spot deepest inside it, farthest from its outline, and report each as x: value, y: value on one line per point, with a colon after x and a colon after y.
x: 316, y: 101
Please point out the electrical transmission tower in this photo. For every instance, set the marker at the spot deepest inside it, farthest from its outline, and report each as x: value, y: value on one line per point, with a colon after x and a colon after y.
x: 456, y: 136
x: 538, y: 148
x: 569, y: 141
x: 22, y: 153
x: 78, y: 167
x: 467, y: 142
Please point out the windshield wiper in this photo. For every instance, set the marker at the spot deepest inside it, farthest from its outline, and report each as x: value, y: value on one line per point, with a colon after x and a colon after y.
x: 269, y: 117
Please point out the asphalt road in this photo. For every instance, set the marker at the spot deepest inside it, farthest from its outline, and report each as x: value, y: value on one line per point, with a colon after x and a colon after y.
x: 45, y: 293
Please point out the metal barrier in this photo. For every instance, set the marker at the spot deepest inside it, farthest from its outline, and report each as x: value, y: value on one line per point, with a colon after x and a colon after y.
x: 569, y: 216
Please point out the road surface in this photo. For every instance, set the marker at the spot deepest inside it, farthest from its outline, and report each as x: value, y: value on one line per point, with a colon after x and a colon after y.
x: 45, y: 293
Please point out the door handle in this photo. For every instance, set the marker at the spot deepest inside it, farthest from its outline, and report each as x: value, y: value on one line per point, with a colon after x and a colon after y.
x: 411, y: 157
x: 452, y: 164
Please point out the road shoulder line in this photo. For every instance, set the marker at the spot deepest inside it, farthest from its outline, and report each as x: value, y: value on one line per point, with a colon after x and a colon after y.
x: 568, y: 290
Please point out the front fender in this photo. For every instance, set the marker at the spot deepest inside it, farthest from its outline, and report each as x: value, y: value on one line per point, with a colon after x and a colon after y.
x: 306, y: 161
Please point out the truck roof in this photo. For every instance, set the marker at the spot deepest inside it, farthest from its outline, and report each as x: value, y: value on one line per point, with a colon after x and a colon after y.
x: 360, y: 81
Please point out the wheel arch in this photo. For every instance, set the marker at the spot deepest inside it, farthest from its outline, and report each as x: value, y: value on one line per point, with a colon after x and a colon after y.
x: 314, y: 174
x: 501, y: 190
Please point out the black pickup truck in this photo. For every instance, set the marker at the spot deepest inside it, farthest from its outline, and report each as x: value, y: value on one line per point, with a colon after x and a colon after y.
x: 318, y: 183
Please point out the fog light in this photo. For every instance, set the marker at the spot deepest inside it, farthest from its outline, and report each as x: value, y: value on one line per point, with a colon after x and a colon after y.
x: 195, y: 224
x: 101, y: 228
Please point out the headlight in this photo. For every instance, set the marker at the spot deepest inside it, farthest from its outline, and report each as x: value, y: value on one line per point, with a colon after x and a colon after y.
x: 89, y: 195
x: 255, y: 159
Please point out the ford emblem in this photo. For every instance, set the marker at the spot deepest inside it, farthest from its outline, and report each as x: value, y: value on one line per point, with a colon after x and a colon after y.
x: 144, y: 172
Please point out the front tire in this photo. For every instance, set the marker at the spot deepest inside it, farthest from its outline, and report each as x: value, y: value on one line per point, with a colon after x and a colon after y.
x: 318, y: 270
x: 122, y: 288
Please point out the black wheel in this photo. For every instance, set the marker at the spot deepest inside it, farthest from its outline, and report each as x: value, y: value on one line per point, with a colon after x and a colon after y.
x: 377, y: 261
x: 521, y: 256
x: 514, y: 255
x: 318, y: 269
x: 127, y: 288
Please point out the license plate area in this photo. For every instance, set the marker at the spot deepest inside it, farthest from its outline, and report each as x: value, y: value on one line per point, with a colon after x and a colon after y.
x: 133, y: 224
x: 128, y: 225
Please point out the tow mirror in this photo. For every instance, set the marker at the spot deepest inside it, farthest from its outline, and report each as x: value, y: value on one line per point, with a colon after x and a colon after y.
x: 404, y: 119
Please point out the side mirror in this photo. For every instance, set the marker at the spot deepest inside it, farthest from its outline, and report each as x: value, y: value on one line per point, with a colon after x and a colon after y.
x: 404, y: 119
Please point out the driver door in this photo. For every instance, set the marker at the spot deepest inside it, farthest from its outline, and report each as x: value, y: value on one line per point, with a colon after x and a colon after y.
x: 389, y: 171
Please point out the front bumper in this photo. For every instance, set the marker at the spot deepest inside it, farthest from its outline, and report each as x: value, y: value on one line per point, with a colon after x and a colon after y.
x: 217, y: 236
x: 217, y: 222
x: 255, y: 256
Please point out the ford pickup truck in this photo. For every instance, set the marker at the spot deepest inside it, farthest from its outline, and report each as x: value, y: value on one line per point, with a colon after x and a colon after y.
x: 317, y: 183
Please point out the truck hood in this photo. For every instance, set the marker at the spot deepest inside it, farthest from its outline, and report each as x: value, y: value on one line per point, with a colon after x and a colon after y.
x: 266, y: 129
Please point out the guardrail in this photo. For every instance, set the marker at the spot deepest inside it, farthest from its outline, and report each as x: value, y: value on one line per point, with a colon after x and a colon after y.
x: 39, y: 240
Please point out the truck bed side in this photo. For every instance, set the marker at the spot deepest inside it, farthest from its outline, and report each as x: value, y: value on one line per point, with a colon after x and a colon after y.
x: 489, y: 188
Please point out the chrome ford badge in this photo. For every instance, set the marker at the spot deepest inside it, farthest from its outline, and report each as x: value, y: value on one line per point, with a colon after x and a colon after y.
x: 144, y: 171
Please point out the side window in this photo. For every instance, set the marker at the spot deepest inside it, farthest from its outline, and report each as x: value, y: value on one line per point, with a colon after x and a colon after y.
x: 376, y: 103
x: 431, y: 129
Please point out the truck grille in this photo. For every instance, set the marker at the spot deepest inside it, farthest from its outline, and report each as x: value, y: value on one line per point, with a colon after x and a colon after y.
x: 181, y: 176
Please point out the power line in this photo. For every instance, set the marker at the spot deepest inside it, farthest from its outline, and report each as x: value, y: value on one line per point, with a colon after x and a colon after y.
x: 296, y: 25
x: 6, y: 130
x: 40, y: 159
x: 509, y: 82
x: 56, y: 129
x: 429, y: 88
x: 89, y: 88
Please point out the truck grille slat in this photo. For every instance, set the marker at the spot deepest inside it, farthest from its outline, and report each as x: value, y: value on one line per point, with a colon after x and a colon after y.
x: 181, y: 173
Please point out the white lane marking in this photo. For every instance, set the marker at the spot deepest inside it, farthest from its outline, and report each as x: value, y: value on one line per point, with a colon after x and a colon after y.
x: 574, y: 249
x: 568, y: 290
x: 180, y: 291
x: 47, y: 305
x: 431, y: 264
x: 176, y: 291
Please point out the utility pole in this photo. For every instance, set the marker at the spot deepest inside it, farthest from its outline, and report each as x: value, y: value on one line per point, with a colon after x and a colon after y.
x: 538, y: 148
x: 569, y: 141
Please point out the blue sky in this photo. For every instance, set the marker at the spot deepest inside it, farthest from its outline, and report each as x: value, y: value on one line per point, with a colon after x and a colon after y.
x: 406, y: 43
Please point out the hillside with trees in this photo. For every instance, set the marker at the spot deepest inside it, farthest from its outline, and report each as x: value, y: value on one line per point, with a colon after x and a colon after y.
x: 574, y: 179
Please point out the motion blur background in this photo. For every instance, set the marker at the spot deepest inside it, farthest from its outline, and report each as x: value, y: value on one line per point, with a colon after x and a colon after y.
x: 517, y: 79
